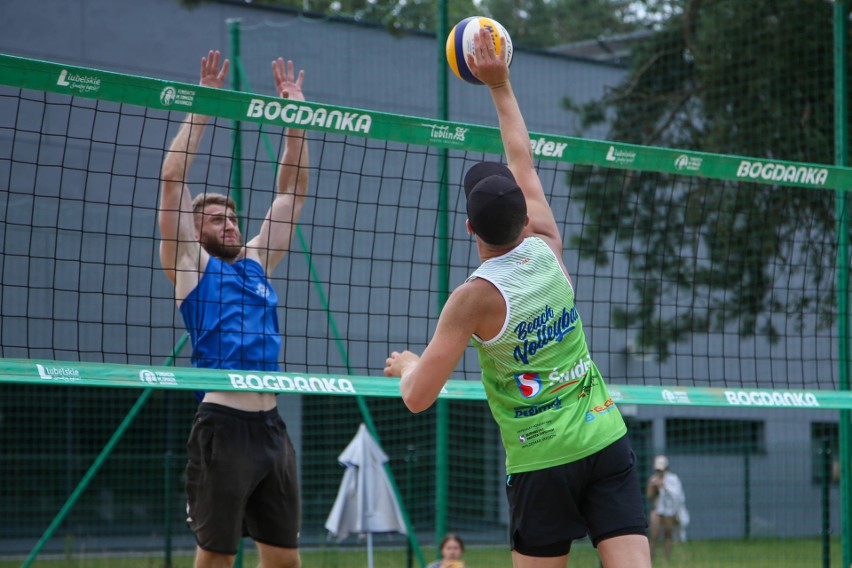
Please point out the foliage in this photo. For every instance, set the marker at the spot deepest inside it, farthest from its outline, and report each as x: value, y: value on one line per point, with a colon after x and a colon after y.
x: 745, y: 78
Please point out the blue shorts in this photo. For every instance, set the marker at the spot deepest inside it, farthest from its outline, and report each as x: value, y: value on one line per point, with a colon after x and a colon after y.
x: 598, y: 496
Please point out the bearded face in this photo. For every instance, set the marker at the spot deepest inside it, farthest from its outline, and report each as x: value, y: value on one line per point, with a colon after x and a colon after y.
x: 218, y: 232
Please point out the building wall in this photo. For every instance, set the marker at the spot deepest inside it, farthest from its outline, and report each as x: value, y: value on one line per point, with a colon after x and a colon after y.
x: 366, y: 67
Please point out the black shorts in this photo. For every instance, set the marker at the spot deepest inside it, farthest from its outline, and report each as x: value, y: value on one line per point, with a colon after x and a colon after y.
x: 598, y: 496
x: 241, y: 479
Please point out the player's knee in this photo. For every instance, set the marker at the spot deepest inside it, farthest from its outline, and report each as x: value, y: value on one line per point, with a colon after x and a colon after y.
x: 275, y: 557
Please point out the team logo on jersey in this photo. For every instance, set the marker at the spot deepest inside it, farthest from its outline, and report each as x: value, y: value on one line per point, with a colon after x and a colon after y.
x: 529, y: 384
x: 262, y: 290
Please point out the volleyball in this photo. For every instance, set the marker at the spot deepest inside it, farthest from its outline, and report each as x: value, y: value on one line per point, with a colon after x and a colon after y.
x: 460, y: 43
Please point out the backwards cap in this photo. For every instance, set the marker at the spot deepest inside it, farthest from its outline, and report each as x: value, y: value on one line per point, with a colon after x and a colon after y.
x: 496, y: 207
x: 481, y: 171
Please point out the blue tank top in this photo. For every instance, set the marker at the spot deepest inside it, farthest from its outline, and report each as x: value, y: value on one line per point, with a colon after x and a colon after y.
x: 232, y: 318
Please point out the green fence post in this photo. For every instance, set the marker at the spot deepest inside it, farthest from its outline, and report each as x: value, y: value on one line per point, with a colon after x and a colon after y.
x: 236, y: 173
x: 825, y: 487
x: 236, y: 160
x: 87, y: 478
x: 747, y: 493
x: 841, y: 150
x: 442, y: 412
x: 96, y: 465
x: 237, y: 137
x: 167, y: 498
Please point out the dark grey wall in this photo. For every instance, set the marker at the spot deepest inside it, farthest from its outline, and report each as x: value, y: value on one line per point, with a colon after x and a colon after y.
x: 348, y: 65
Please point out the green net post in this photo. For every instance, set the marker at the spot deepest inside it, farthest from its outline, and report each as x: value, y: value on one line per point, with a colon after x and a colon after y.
x: 96, y: 465
x: 841, y: 149
x: 443, y: 416
x: 825, y: 498
x: 87, y: 478
x: 236, y: 158
x: 167, y: 502
x: 237, y: 153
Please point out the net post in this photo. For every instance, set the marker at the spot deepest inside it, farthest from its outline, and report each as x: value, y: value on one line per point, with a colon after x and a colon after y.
x: 442, y: 417
x: 237, y: 137
x: 841, y: 149
x: 87, y: 478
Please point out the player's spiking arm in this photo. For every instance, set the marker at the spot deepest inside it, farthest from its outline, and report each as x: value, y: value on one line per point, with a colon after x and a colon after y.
x: 492, y: 70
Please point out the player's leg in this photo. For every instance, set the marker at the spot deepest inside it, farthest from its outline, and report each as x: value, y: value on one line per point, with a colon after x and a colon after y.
x: 277, y: 557
x: 627, y: 551
x: 543, y: 516
x: 273, y: 510
x: 206, y: 559
x: 614, y: 509
x: 522, y: 561
x: 218, y: 477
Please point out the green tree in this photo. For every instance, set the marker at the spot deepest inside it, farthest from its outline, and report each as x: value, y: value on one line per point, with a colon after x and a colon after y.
x: 746, y: 78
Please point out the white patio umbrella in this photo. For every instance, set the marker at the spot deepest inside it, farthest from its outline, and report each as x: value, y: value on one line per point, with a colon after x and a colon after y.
x: 366, y: 502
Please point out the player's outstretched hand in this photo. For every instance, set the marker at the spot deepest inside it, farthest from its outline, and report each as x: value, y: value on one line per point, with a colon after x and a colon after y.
x: 487, y: 66
x: 211, y: 74
x: 287, y: 84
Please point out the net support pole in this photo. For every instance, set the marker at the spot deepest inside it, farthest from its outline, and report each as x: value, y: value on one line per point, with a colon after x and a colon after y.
x: 841, y: 149
x: 237, y: 150
x: 362, y: 403
x: 236, y: 159
x: 96, y: 465
x: 443, y: 415
x: 84, y: 482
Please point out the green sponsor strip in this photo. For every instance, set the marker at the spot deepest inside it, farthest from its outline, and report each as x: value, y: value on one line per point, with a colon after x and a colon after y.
x: 731, y: 397
x: 188, y: 378
x: 183, y: 97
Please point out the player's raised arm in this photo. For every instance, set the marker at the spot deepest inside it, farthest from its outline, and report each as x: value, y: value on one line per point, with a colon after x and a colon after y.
x: 492, y: 70
x: 177, y: 227
x: 276, y: 233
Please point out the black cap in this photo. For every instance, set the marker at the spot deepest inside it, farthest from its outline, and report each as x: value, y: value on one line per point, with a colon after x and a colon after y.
x: 481, y: 171
x: 496, y: 206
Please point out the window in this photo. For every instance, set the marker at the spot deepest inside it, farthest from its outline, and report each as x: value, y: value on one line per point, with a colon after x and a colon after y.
x: 715, y: 436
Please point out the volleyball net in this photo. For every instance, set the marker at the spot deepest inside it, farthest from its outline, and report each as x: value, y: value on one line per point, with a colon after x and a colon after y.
x: 716, y: 332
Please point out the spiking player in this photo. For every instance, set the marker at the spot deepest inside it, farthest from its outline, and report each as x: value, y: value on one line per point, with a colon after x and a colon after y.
x: 570, y: 468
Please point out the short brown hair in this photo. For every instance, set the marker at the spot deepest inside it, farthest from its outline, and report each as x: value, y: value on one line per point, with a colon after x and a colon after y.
x: 202, y: 200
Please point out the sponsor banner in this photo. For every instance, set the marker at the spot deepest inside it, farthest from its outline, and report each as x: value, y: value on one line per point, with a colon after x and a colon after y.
x: 69, y: 373
x: 190, y: 378
x: 233, y: 105
x: 731, y: 397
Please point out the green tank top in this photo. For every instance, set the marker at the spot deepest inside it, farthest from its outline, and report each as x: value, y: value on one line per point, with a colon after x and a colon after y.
x: 545, y: 392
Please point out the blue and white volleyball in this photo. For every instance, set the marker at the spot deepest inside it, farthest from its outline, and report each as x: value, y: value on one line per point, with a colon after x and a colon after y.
x: 460, y: 43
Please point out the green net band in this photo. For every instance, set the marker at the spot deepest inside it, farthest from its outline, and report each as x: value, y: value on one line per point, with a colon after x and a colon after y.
x: 185, y: 378
x: 169, y: 95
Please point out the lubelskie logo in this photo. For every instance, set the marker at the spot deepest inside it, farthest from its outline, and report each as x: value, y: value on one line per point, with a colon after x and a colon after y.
x: 543, y: 329
x: 529, y: 384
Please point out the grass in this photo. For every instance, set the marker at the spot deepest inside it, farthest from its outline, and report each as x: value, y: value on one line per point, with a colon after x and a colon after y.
x: 774, y: 553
